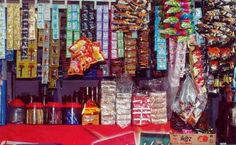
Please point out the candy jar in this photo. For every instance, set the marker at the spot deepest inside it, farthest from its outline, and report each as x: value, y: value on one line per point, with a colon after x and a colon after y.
x: 16, y: 111
x: 34, y: 113
x: 53, y: 113
x: 71, y: 113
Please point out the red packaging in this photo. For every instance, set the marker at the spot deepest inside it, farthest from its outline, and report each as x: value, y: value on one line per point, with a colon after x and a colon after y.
x: 141, y: 112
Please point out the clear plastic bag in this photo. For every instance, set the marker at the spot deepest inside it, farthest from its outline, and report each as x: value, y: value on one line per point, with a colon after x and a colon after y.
x: 189, y: 105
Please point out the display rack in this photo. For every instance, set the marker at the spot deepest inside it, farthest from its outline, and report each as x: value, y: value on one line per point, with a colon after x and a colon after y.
x: 62, y: 4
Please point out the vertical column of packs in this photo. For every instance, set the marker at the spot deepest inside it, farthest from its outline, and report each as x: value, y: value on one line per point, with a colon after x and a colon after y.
x: 10, y: 25
x: 88, y: 20
x: 45, y: 59
x: 26, y: 58
x: 158, y: 105
x: 32, y: 23
x: 130, y: 54
x: 123, y: 109
x: 73, y: 26
x: 114, y: 50
x: 55, y: 22
x: 76, y: 22
x: 108, y: 99
x: 2, y: 32
x: 103, y: 31
x: 40, y: 16
x: 54, y: 51
x: 63, y: 48
x: 25, y: 31
x: 13, y: 27
x: 159, y: 44
x: 17, y: 27
x: 99, y: 33
x: 69, y: 30
x: 120, y: 44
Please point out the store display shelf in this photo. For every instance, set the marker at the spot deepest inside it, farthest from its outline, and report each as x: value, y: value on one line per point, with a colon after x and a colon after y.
x: 70, y: 134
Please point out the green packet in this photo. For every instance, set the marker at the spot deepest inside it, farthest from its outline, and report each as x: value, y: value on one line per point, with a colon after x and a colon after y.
x: 186, y: 25
x: 169, y: 31
x: 120, y: 35
x: 171, y: 20
x: 172, y: 3
x: 182, y: 38
x: 121, y: 53
x: 76, y: 35
x: 172, y: 10
x: 120, y: 44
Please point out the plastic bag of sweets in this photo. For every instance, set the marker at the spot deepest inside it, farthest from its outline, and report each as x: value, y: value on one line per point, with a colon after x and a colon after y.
x: 190, y: 104
x: 141, y: 111
x: 90, y: 113
x: 123, y: 109
x: 108, y: 99
x: 123, y: 101
x: 158, y: 106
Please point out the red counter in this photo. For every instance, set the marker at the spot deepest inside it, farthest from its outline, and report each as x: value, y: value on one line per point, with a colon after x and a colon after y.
x: 70, y: 135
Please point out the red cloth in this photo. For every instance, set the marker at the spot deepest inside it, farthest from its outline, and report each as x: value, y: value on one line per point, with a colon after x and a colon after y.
x: 69, y: 135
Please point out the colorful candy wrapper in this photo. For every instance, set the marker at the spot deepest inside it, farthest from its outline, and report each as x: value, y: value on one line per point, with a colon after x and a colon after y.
x: 47, y: 12
x: 45, y: 59
x: 171, y: 20
x: 73, y: 27
x: 40, y: 16
x: 13, y: 27
x: 25, y: 31
x: 3, y: 32
x: 55, y: 22
x: 90, y: 113
x: 141, y: 111
x: 32, y: 23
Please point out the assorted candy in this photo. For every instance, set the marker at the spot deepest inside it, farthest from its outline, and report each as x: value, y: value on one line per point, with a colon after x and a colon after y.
x: 131, y: 15
x: 124, y: 39
x: 84, y: 54
x: 217, y: 26
x: 176, y: 19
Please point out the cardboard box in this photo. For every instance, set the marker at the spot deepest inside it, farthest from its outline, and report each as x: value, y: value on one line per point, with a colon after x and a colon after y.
x: 193, y: 139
